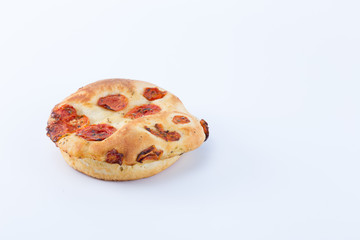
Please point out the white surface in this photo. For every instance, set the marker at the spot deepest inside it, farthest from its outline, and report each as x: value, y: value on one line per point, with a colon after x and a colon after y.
x: 278, y: 82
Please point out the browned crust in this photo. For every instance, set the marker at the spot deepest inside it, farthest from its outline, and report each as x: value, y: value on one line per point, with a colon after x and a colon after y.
x: 115, y: 172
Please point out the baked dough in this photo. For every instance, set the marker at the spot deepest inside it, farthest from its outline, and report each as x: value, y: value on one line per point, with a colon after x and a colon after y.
x: 120, y: 129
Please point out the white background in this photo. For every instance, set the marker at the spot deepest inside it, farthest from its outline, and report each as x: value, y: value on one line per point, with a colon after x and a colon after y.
x: 277, y: 81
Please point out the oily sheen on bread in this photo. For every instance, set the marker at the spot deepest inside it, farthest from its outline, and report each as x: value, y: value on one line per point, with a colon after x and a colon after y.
x: 120, y: 129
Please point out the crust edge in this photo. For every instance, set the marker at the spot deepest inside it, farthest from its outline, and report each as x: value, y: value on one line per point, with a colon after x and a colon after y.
x: 115, y: 172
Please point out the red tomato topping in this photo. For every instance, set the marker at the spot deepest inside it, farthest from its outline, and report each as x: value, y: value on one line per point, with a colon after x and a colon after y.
x: 64, y: 120
x: 180, y: 119
x: 205, y: 126
x: 142, y: 110
x: 113, y: 156
x: 79, y: 122
x: 152, y: 94
x: 96, y: 132
x: 56, y: 130
x: 151, y: 153
x: 113, y: 102
x: 166, y: 135
x: 64, y: 113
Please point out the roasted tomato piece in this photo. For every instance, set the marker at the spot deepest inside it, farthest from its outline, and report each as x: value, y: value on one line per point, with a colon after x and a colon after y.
x: 164, y: 134
x: 113, y: 156
x: 152, y: 94
x: 115, y: 102
x: 79, y: 122
x: 205, y: 126
x: 64, y: 120
x: 64, y: 113
x: 180, y: 119
x: 151, y: 153
x: 57, y: 130
x: 142, y: 110
x: 96, y: 132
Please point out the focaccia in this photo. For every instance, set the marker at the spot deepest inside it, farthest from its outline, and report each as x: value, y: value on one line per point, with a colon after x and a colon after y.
x: 119, y: 129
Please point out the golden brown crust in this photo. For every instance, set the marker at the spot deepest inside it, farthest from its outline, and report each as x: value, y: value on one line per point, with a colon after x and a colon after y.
x: 131, y: 136
x: 115, y: 172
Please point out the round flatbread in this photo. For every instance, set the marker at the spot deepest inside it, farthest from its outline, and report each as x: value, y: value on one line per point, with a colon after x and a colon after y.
x: 120, y: 129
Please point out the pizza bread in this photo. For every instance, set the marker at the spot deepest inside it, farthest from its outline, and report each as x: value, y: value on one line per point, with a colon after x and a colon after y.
x: 120, y: 129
